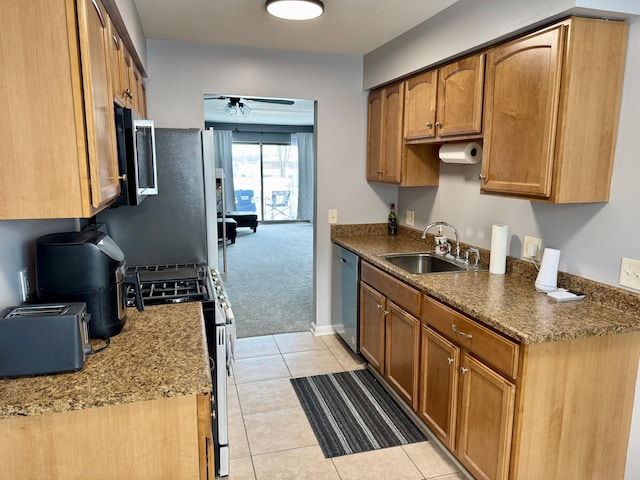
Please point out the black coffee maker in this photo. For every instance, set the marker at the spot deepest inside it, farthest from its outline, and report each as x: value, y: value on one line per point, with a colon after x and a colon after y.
x: 88, y: 267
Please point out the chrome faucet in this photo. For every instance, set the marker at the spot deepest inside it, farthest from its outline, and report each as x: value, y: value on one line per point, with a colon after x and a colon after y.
x: 445, y: 224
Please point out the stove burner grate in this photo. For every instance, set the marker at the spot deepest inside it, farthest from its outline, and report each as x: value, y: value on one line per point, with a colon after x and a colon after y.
x: 171, y: 283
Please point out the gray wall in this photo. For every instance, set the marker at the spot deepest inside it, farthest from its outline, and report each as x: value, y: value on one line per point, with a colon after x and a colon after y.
x: 181, y: 73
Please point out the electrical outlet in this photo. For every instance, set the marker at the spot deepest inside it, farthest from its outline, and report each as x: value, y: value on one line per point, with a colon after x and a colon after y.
x: 409, y: 218
x: 630, y: 273
x: 333, y: 216
x: 24, y: 284
x: 531, y: 248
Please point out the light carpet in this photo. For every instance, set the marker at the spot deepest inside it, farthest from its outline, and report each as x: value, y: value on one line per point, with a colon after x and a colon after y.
x: 350, y: 412
x: 270, y: 279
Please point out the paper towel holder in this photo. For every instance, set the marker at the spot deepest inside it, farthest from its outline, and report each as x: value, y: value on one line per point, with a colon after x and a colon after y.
x: 466, y: 153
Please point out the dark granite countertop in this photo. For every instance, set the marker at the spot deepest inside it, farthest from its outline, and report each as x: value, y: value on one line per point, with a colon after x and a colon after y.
x: 161, y: 352
x: 508, y: 303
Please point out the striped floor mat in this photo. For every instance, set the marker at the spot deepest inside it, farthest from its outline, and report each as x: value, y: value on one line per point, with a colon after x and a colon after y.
x: 350, y: 412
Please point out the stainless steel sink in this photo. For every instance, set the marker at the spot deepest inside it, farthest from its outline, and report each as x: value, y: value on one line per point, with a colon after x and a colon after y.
x: 425, y: 262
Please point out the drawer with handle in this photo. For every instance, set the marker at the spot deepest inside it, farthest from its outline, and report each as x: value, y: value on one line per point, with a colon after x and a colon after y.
x: 494, y: 349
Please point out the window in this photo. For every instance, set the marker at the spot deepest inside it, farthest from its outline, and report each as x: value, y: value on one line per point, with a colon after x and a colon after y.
x: 268, y: 175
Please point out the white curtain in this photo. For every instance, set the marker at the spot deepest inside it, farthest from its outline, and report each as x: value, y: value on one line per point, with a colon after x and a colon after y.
x: 306, y: 173
x: 223, y: 144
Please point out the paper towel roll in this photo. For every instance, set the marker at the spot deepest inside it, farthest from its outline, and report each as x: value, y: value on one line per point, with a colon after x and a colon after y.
x: 499, y: 243
x: 547, y: 280
x: 467, y: 153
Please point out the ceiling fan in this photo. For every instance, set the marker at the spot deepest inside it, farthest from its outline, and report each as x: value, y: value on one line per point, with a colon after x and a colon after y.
x: 235, y: 105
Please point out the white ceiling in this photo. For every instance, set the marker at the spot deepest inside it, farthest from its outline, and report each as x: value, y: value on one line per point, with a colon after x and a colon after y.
x: 352, y: 27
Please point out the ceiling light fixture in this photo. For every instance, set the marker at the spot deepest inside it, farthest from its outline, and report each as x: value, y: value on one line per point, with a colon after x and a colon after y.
x: 295, y: 9
x: 237, y: 105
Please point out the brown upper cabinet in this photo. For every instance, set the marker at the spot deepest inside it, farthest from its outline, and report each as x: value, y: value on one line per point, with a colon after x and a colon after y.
x: 388, y: 159
x: 384, y: 149
x: 119, y: 73
x: 446, y: 103
x: 58, y: 135
x: 552, y: 101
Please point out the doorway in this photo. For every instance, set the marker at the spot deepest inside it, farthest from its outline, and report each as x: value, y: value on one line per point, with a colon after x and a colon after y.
x: 269, y: 167
x: 266, y: 180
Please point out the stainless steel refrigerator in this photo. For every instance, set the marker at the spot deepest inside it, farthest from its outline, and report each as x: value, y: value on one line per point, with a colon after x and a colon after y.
x: 179, y: 225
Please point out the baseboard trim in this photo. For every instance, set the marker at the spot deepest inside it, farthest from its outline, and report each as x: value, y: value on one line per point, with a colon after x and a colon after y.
x: 322, y: 330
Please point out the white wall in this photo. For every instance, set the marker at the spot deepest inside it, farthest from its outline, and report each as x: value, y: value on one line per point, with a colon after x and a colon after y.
x: 592, y: 237
x: 468, y: 25
x: 180, y: 73
x: 129, y: 14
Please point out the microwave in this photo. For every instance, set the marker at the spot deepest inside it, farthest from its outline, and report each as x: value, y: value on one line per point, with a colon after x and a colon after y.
x: 136, y: 146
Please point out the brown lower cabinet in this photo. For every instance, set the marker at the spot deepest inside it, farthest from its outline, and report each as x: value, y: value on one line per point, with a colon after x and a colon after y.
x: 390, y: 330
x: 167, y: 438
x: 507, y: 411
x: 520, y: 412
x: 467, y: 405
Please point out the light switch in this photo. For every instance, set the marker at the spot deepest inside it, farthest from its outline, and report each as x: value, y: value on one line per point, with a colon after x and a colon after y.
x: 333, y: 216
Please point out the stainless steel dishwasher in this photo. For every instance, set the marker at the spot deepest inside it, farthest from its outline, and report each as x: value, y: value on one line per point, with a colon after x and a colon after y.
x: 345, y: 274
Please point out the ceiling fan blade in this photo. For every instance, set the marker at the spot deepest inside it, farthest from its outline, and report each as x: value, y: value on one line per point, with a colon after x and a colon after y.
x: 276, y: 101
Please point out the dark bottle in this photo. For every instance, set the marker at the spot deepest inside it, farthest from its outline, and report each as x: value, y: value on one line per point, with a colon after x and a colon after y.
x: 393, y: 220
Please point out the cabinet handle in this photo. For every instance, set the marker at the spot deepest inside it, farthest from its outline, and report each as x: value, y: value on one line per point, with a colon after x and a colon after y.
x: 123, y: 177
x: 438, y: 125
x: 463, y: 370
x: 378, y: 306
x: 128, y: 93
x: 466, y: 335
x: 379, y: 172
x: 429, y: 125
x: 482, y: 178
x: 95, y: 5
x: 449, y: 360
x: 386, y: 312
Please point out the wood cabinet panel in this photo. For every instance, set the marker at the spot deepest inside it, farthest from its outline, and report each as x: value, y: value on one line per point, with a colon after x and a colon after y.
x: 100, y: 122
x: 153, y: 439
x: 402, y: 358
x: 440, y: 361
x: 498, y: 351
x: 384, y: 150
x: 402, y: 294
x: 460, y: 93
x: 69, y: 169
x: 543, y: 139
x: 372, y: 326
x: 522, y: 95
x: 485, y: 420
x: 446, y: 103
x: 421, y: 92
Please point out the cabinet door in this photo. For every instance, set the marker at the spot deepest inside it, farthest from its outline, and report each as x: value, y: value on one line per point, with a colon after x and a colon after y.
x: 439, y: 367
x: 420, y: 106
x: 393, y: 109
x: 372, y: 326
x: 402, y: 353
x: 98, y: 98
x: 116, y: 53
x: 485, y: 420
x: 521, y: 105
x: 384, y: 139
x: 460, y: 86
x: 374, y: 135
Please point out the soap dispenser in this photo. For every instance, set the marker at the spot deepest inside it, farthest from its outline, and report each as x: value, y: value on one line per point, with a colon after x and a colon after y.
x: 441, y: 243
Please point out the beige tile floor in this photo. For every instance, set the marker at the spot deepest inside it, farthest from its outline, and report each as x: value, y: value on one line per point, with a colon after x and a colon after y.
x: 269, y: 436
